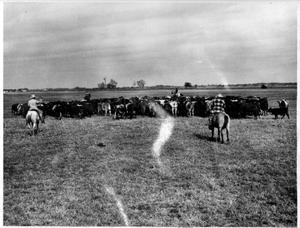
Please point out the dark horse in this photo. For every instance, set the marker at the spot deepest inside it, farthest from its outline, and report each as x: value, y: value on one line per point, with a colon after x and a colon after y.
x: 220, y: 121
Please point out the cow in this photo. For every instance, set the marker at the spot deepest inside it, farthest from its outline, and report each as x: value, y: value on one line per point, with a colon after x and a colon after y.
x: 283, y: 104
x: 201, y: 107
x: 23, y: 109
x: 190, y: 107
x: 146, y: 108
x: 120, y: 111
x: 129, y: 110
x: 264, y: 106
x: 86, y: 109
x: 53, y: 109
x: 104, y: 108
x: 279, y: 111
x: 174, y: 107
x: 15, y: 109
x: 249, y: 109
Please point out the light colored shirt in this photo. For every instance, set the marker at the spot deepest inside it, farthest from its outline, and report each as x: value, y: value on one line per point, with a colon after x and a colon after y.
x: 33, y: 104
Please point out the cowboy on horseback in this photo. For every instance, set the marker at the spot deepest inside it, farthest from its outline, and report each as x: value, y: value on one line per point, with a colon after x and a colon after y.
x: 33, y: 106
x: 217, y: 106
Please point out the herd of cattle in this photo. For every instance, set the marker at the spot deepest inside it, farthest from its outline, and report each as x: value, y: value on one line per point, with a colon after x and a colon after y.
x: 236, y: 107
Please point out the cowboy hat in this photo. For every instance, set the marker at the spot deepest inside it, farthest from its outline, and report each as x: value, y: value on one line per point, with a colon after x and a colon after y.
x: 32, y: 96
x: 219, y: 95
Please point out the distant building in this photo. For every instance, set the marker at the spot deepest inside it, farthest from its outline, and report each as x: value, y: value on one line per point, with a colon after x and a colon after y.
x: 263, y: 86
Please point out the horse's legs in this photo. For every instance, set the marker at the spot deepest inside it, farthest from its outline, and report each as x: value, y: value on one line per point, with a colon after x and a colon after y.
x: 29, y: 125
x: 34, y: 129
x: 219, y: 135
x: 227, y: 133
x: 212, y: 134
x: 222, y: 136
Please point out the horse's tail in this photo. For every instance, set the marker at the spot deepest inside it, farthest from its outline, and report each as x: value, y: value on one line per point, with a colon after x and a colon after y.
x: 28, y: 118
x: 227, y: 121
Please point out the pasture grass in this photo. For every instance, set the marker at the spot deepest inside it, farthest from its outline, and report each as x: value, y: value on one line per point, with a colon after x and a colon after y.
x: 59, y: 176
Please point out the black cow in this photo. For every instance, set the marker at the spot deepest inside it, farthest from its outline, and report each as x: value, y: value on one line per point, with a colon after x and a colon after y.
x: 86, y: 108
x: 15, y: 109
x: 24, y: 109
x: 279, y: 111
x: 264, y: 106
x: 200, y: 107
x: 249, y: 109
x: 233, y: 106
x: 54, y: 109
x: 120, y: 111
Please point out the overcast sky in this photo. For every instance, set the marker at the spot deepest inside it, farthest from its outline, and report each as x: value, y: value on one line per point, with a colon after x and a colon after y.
x: 78, y: 44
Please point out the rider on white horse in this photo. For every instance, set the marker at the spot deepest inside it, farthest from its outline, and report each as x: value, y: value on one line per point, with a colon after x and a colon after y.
x: 217, y: 106
x: 33, y: 106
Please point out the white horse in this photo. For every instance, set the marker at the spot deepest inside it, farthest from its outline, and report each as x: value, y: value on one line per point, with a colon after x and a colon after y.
x: 32, y: 121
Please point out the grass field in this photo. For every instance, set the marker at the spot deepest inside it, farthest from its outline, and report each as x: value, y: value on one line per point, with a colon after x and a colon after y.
x: 62, y: 176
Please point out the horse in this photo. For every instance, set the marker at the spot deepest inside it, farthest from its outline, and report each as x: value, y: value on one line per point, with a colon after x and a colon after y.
x: 220, y: 121
x: 32, y: 121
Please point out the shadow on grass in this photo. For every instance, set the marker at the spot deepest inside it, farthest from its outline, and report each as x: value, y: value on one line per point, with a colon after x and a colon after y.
x: 204, y: 137
x: 208, y: 138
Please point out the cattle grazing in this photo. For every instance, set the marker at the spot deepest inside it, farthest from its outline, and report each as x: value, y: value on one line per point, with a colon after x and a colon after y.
x: 15, y: 109
x: 129, y: 110
x: 279, y: 111
x: 249, y: 109
x: 55, y: 111
x: 174, y: 107
x: 201, y: 108
x: 264, y: 106
x: 32, y: 121
x: 220, y: 121
x: 235, y: 107
x: 190, y: 108
x: 283, y: 104
x: 152, y: 109
x: 120, y: 111
x: 104, y: 108
x: 23, y: 109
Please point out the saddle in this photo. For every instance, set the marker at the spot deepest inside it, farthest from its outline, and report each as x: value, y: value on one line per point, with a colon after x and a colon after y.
x: 37, y: 111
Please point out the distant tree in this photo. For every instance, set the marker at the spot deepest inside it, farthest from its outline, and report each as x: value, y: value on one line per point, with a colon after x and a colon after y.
x: 112, y: 84
x: 187, y: 85
x: 195, y: 85
x: 101, y: 85
x: 141, y: 83
x: 134, y: 84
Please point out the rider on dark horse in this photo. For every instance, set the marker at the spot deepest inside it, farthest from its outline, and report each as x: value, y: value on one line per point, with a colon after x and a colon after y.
x: 33, y: 106
x: 217, y: 106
